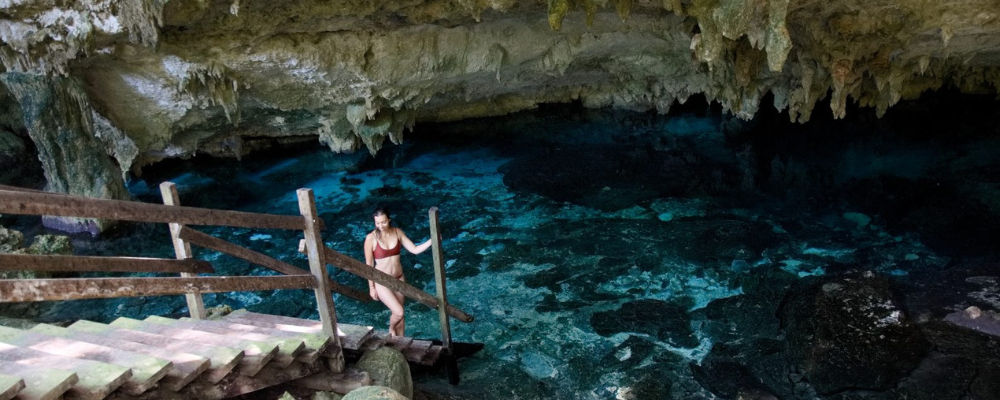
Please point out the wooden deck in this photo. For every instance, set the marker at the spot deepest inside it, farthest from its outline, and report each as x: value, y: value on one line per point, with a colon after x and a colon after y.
x: 161, y: 358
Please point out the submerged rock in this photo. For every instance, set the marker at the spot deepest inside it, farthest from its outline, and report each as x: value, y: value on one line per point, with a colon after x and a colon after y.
x: 851, y: 333
x: 664, y: 321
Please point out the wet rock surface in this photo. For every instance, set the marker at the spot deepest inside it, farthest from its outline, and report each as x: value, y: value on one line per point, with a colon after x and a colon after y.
x: 851, y: 333
x: 664, y: 321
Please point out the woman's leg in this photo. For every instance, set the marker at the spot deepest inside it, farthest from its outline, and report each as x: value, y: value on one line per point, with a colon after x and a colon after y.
x: 396, y: 320
x: 402, y: 301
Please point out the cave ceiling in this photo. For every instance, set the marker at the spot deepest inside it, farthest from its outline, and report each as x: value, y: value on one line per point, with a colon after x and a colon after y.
x: 154, y: 79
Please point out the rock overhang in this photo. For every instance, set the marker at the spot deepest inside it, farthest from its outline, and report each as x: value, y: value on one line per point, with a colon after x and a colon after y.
x: 175, y: 78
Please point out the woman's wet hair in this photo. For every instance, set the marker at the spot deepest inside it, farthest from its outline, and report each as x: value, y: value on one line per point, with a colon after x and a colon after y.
x: 381, y: 211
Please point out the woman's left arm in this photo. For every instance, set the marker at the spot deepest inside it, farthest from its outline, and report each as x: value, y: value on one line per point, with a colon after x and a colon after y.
x: 412, y: 248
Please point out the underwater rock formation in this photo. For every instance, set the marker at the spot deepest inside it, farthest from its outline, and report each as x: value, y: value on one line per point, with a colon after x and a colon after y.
x: 163, y: 79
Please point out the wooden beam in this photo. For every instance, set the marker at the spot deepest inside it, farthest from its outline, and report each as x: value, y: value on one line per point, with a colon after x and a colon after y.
x: 20, y: 290
x: 211, y: 242
x: 314, y: 246
x: 33, y: 262
x: 439, y: 280
x: 43, y: 203
x: 360, y: 269
x: 182, y: 250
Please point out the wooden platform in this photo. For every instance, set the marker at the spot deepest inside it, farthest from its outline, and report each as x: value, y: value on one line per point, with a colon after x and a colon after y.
x: 160, y: 358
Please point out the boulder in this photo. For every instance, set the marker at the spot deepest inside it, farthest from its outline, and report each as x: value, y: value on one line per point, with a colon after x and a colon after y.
x: 387, y: 367
x: 850, y: 333
x: 374, y: 393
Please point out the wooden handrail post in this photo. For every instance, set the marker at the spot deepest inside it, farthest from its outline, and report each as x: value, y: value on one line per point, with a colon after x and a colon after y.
x: 442, y: 296
x: 196, y: 304
x: 317, y: 266
x: 439, y: 281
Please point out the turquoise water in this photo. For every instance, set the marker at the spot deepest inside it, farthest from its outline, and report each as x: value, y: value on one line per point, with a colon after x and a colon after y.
x: 588, y: 245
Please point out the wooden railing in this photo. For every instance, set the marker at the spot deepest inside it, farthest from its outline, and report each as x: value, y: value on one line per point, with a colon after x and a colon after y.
x: 31, y: 202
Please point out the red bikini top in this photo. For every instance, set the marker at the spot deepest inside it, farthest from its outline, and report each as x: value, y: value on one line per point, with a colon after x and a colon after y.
x: 381, y: 253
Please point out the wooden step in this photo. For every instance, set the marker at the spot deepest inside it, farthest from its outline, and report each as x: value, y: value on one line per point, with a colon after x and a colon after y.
x: 186, y: 366
x: 371, y: 343
x: 416, y: 351
x: 398, y: 342
x: 146, y: 370
x: 315, y: 344
x: 341, y: 382
x: 222, y: 359
x: 352, y: 336
x: 10, y: 386
x: 433, y: 353
x: 236, y: 384
x: 40, y: 383
x: 287, y: 347
x: 346, y: 332
x: 255, y: 354
x: 96, y: 379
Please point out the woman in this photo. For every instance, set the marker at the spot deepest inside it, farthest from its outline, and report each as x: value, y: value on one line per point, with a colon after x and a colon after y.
x: 382, y: 252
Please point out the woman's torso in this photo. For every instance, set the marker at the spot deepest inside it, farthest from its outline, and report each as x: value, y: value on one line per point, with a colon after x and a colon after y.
x: 388, y: 247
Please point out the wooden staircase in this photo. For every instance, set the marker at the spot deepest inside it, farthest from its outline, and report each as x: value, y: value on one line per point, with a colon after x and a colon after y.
x: 162, y: 358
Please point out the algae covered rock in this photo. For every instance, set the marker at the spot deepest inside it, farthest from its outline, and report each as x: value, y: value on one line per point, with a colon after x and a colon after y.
x: 10, y: 240
x: 51, y: 244
x: 387, y: 367
x: 374, y: 393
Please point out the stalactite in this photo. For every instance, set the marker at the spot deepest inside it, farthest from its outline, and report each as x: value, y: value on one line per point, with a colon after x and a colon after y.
x: 557, y: 11
x: 142, y: 19
x: 45, y: 40
x: 59, y: 120
x: 215, y: 83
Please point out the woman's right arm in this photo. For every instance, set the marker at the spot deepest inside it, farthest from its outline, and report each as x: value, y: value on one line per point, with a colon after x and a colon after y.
x: 370, y: 261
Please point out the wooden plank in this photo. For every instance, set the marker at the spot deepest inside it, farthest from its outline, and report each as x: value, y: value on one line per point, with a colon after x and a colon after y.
x: 313, y: 244
x: 146, y: 370
x: 211, y: 242
x: 240, y: 384
x: 34, y: 262
x: 352, y: 336
x: 40, y: 383
x: 346, y: 332
x: 182, y: 250
x: 314, y: 344
x: 287, y: 347
x: 360, y: 269
x: 398, y: 342
x: 13, y: 290
x: 432, y: 355
x: 44, y: 203
x: 207, y: 241
x: 96, y: 379
x: 223, y: 359
x: 10, y: 386
x: 186, y: 366
x: 439, y: 278
x: 417, y: 350
x: 340, y: 382
x: 255, y: 354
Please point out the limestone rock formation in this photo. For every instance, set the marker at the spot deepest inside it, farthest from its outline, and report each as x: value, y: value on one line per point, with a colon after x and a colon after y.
x: 388, y: 368
x: 132, y: 82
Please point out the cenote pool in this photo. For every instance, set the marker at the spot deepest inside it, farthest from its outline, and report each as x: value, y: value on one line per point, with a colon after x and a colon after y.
x: 619, y: 255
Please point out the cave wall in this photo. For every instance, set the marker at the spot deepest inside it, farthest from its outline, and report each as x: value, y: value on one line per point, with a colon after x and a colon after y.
x: 156, y: 79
